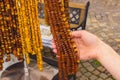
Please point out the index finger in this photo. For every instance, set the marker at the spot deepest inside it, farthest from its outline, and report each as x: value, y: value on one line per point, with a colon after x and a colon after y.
x: 76, y: 34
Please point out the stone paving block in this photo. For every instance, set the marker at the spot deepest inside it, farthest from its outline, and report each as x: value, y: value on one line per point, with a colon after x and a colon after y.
x: 109, y: 79
x: 93, y: 77
x: 103, y: 75
x: 83, y: 61
x: 103, y: 24
x: 90, y: 28
x: 101, y: 38
x: 79, y: 74
x: 90, y: 68
x: 99, y: 79
x: 83, y: 70
x: 80, y: 65
x: 98, y: 17
x: 95, y: 25
x: 88, y: 74
x: 86, y: 64
x: 91, y: 14
x: 107, y: 73
x: 119, y: 45
x: 101, y: 69
x: 105, y: 29
x: 96, y: 72
x: 93, y: 20
x: 91, y: 60
x: 117, y: 34
x: 117, y: 40
x: 83, y: 78
x: 88, y: 21
x: 110, y: 34
x: 103, y: 34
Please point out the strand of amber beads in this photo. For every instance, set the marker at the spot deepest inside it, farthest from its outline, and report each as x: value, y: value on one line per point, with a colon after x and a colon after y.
x: 52, y: 22
x: 62, y: 48
x: 2, y: 49
x: 64, y: 39
x: 48, y: 9
x: 66, y: 8
x: 68, y: 38
x: 67, y: 59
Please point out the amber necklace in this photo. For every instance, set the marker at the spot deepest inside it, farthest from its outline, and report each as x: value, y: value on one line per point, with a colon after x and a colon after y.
x: 66, y: 48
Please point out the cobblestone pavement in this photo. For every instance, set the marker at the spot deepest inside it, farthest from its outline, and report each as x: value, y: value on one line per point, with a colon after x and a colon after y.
x: 103, y: 21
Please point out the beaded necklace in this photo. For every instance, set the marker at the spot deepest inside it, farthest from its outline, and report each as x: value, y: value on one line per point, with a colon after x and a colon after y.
x: 60, y: 28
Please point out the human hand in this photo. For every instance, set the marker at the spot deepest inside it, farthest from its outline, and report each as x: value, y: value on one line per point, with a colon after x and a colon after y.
x: 88, y: 45
x: 91, y: 47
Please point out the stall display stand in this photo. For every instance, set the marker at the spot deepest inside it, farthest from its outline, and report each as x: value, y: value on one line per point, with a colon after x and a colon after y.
x: 26, y: 70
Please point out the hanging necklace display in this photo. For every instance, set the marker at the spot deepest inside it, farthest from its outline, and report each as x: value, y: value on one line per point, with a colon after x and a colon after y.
x: 60, y: 28
x: 20, y: 30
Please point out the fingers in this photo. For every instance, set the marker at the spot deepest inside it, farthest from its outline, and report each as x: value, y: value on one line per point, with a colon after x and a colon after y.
x: 55, y: 51
x: 77, y: 34
x: 53, y: 44
x: 54, y: 47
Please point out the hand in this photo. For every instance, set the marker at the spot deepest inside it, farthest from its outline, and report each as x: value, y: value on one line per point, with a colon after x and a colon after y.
x: 91, y: 47
x: 88, y: 45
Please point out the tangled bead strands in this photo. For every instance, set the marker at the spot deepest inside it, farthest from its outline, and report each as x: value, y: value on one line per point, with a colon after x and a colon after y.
x: 20, y: 30
x: 32, y: 43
